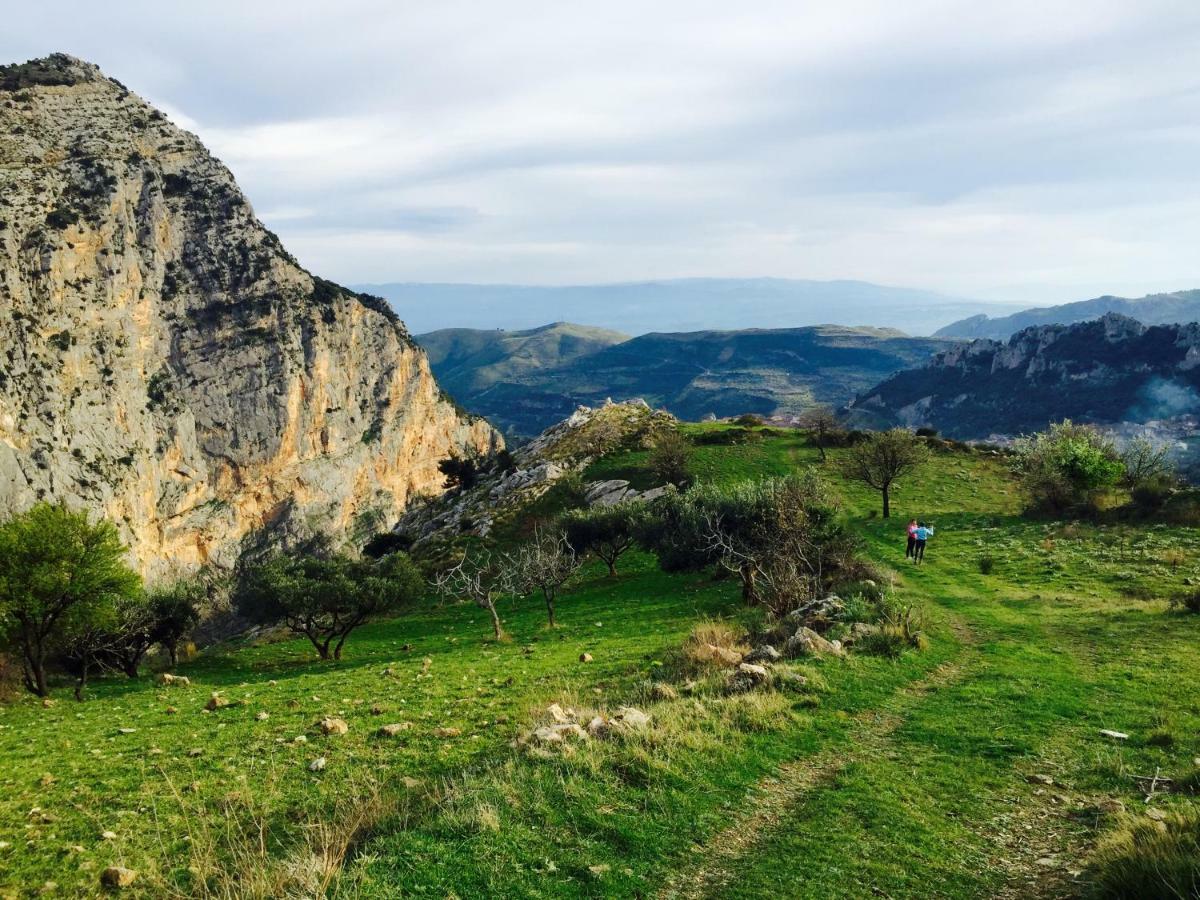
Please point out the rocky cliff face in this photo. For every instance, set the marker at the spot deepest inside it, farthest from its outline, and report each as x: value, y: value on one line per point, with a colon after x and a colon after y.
x: 165, y: 362
x: 1109, y: 370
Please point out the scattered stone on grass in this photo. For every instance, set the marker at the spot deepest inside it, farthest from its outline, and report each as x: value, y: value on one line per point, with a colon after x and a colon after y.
x: 317, y: 764
x: 764, y: 654
x: 333, y: 725
x: 1114, y: 735
x: 585, y: 657
x: 447, y: 732
x: 262, y: 715
x: 1039, y: 779
x: 166, y: 678
x: 746, y: 677
x: 394, y: 729
x: 118, y: 877
x: 215, y: 702
x: 631, y: 717
x: 660, y: 690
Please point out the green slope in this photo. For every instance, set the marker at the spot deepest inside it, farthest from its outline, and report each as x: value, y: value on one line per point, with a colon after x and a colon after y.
x: 526, y: 381
x: 903, y: 778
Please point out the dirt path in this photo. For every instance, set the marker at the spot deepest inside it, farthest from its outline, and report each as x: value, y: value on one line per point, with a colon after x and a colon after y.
x: 777, y: 795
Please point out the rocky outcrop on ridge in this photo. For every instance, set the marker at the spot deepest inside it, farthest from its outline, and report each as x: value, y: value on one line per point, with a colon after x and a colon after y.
x: 1110, y: 370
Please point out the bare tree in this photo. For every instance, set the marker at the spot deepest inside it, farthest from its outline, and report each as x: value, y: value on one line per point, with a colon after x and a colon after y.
x: 544, y: 564
x: 478, y: 578
x: 883, y: 459
x: 1145, y: 461
x: 824, y: 424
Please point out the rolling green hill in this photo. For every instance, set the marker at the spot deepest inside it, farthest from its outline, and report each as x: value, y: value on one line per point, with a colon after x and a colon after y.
x: 525, y: 381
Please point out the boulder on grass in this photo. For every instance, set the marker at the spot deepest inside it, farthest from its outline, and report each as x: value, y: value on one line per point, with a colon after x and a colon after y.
x: 394, y: 729
x: 764, y: 654
x: 631, y: 718
x: 166, y: 678
x: 118, y: 877
x: 747, y: 677
x: 333, y: 725
x: 806, y: 642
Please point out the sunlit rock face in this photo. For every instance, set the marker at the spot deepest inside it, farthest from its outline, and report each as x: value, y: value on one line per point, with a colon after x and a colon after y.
x: 165, y: 362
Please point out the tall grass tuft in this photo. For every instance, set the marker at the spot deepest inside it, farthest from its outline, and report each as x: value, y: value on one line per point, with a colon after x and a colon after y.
x: 1149, y: 860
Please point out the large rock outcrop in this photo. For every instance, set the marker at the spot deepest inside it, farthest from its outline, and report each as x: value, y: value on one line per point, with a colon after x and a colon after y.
x: 165, y: 362
x: 1109, y: 370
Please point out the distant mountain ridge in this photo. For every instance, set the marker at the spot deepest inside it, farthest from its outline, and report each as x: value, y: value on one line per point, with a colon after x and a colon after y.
x: 1108, y: 370
x: 1153, y: 309
x: 525, y: 381
x: 674, y: 305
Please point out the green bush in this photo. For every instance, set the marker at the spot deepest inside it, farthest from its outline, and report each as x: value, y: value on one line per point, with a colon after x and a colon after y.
x: 1189, y: 602
x: 1068, y: 467
x: 987, y: 564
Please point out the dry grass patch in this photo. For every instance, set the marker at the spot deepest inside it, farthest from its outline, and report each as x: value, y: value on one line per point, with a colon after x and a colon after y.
x: 1149, y: 859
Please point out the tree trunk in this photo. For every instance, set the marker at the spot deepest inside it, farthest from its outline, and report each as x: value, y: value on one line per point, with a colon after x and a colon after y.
x: 337, y: 650
x: 749, y: 585
x: 611, y: 562
x: 321, y: 647
x: 499, y: 631
x: 36, y: 678
x: 821, y: 448
x: 887, y: 505
x: 79, y: 685
x: 130, y: 665
x: 550, y: 608
x: 173, y: 653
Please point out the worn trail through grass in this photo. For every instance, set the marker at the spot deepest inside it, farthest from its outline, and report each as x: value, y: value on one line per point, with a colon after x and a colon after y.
x: 777, y: 795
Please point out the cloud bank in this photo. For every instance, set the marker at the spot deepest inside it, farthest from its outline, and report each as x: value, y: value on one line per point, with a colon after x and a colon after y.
x: 1033, y: 151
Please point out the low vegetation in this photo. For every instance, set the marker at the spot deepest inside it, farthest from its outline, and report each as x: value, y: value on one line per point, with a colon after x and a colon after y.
x: 684, y: 696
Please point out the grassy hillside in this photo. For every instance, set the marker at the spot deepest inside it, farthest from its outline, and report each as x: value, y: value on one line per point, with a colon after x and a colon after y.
x: 526, y: 381
x: 975, y: 768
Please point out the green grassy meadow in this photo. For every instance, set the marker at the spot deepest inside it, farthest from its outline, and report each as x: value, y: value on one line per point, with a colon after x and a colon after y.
x: 974, y: 768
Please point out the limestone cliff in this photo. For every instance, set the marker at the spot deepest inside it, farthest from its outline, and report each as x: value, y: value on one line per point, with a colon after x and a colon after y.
x: 164, y: 361
x: 1108, y: 370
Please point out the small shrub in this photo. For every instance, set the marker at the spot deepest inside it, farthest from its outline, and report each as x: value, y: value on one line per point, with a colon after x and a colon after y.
x: 1189, y: 602
x: 1149, y: 860
x: 987, y: 564
x: 927, y: 432
x: 749, y: 420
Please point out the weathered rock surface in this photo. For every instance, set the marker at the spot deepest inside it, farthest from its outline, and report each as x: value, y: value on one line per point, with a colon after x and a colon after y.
x: 1109, y: 370
x: 560, y: 451
x: 166, y: 363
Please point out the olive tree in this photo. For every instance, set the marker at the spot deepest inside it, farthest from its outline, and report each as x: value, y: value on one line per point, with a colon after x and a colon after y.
x: 59, y: 573
x: 883, y: 459
x: 607, y: 532
x: 325, y: 599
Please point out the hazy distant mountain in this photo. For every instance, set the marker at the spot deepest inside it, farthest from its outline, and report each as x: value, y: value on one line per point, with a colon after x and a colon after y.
x: 1109, y: 370
x: 1153, y: 309
x: 689, y: 304
x: 525, y: 381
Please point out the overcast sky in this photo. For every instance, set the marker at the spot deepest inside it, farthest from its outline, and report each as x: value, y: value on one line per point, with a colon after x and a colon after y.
x: 1033, y: 151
